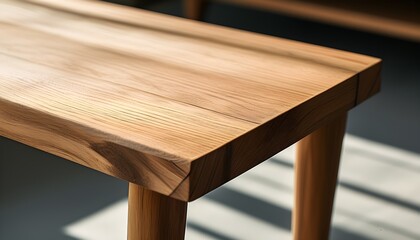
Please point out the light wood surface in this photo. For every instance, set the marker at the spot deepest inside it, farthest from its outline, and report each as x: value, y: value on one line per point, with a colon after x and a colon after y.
x: 394, y: 18
x: 154, y: 216
x: 316, y: 168
x: 176, y: 106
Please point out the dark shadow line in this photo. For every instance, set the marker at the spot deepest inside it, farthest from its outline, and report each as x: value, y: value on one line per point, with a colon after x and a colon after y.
x: 359, y: 189
x: 380, y: 225
x: 381, y: 196
x: 254, y: 207
x: 383, y: 159
x: 269, y: 182
x: 339, y: 233
x: 208, y: 232
x: 276, y: 216
x: 281, y: 163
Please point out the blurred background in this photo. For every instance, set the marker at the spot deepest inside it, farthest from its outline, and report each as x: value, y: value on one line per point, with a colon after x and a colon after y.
x: 378, y: 194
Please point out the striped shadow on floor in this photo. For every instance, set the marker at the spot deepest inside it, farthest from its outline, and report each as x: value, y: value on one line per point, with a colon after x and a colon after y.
x: 378, y: 197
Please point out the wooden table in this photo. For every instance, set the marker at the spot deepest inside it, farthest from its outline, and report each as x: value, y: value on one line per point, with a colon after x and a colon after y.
x: 175, y: 107
x: 400, y: 19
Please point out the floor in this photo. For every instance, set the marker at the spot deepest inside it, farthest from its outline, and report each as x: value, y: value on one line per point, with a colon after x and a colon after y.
x: 258, y: 204
x: 378, y: 196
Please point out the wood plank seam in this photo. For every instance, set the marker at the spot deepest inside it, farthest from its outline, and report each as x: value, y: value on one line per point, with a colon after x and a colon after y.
x: 96, y: 15
x: 145, y: 92
x: 107, y: 108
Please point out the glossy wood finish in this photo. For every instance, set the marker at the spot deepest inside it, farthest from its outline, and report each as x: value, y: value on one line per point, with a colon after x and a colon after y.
x: 394, y: 18
x: 154, y: 216
x: 316, y: 168
x: 176, y: 106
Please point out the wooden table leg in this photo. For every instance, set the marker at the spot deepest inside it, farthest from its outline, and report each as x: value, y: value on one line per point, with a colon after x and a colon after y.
x: 318, y: 157
x: 154, y: 216
x: 193, y: 9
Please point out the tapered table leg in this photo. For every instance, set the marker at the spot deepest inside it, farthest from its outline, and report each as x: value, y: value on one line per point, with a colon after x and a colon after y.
x: 154, y: 216
x: 318, y: 157
x: 193, y: 9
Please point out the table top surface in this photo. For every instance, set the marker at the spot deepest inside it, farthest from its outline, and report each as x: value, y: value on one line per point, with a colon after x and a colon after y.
x: 176, y: 106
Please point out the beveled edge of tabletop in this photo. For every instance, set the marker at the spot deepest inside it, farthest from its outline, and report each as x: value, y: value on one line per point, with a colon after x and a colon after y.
x: 206, y: 173
x: 188, y: 180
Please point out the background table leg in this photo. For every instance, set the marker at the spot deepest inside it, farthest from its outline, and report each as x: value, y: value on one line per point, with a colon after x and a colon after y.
x: 193, y: 9
x: 154, y: 216
x: 318, y: 157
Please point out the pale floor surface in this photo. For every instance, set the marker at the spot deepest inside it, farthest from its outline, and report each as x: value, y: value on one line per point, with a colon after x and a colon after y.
x: 378, y: 197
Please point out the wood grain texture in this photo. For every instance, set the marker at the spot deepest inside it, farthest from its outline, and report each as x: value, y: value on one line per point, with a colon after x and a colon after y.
x: 176, y: 106
x: 397, y: 19
x: 154, y: 216
x: 316, y: 168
